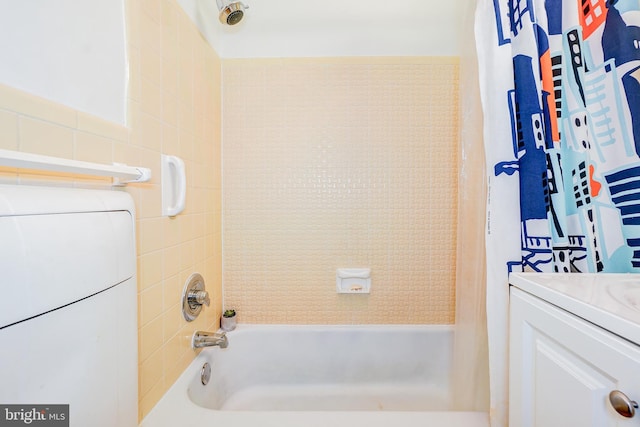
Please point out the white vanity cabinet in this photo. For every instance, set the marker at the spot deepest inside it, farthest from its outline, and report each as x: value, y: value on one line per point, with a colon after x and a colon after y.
x: 573, y: 340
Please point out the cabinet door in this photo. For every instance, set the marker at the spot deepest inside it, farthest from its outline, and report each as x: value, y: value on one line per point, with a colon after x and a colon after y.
x: 562, y: 368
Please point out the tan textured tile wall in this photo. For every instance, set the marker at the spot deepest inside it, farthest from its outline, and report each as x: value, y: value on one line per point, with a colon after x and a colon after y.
x: 174, y: 108
x: 340, y: 162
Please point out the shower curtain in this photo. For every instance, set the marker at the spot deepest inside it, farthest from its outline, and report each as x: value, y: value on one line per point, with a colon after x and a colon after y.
x: 470, y: 357
x: 560, y: 88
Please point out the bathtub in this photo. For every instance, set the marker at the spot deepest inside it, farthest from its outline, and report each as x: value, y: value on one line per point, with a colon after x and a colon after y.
x: 291, y: 376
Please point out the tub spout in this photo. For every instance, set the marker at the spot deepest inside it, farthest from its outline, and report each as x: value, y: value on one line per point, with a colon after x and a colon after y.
x: 209, y: 339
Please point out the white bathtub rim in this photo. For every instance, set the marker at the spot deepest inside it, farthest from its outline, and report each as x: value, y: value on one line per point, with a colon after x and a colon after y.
x: 249, y: 327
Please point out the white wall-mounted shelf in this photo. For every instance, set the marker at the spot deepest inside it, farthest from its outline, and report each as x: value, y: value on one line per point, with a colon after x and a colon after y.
x: 119, y: 172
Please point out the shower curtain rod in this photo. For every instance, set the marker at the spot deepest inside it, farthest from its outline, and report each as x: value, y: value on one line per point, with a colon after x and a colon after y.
x: 118, y: 171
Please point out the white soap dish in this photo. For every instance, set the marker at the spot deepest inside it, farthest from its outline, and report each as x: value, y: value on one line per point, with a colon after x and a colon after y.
x: 353, y: 280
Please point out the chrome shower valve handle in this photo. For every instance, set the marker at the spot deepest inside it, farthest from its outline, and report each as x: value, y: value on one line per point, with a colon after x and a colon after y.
x: 198, y: 298
x: 194, y: 296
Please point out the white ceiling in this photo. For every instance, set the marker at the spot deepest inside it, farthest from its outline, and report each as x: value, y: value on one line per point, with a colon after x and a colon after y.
x: 304, y: 28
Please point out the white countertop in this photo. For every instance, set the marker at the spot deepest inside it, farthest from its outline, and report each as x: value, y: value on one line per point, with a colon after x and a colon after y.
x: 611, y: 301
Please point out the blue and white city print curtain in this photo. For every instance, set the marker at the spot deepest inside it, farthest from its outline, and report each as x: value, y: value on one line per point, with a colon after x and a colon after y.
x: 574, y: 112
x: 560, y: 88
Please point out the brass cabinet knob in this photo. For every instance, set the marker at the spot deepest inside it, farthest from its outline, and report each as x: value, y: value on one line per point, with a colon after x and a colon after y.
x: 622, y: 404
